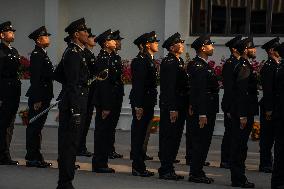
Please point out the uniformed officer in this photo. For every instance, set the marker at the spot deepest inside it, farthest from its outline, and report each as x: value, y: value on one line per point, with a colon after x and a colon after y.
x: 86, y: 121
x: 10, y: 90
x: 267, y: 75
x: 227, y: 74
x: 174, y: 86
x: 204, y: 103
x: 277, y: 181
x: 143, y: 98
x: 118, y: 70
x: 138, y: 42
x: 244, y: 108
x: 108, y: 97
x: 40, y: 94
x: 73, y: 102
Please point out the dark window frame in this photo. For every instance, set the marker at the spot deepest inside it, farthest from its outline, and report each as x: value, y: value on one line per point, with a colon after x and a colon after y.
x: 228, y: 33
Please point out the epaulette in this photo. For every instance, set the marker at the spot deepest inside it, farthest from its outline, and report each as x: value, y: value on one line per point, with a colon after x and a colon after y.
x: 199, y: 64
x: 169, y: 59
x: 74, y: 49
x: 228, y: 61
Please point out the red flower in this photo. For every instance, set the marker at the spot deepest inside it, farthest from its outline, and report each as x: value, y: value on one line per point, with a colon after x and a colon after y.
x: 211, y: 63
x: 218, y: 70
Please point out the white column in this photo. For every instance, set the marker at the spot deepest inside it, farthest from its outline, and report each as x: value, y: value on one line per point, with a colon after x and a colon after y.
x: 177, y: 14
x: 52, y: 23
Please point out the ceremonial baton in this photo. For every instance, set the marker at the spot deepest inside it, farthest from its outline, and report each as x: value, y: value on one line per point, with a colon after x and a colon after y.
x: 103, y: 75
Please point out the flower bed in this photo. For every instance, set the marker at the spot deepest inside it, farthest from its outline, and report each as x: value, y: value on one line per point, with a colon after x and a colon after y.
x: 24, y: 115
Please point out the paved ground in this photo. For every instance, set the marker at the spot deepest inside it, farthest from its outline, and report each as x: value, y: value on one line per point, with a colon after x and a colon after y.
x: 22, y: 177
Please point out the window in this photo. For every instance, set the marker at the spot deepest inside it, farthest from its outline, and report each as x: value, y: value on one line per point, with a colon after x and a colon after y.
x: 229, y: 17
x: 277, y: 24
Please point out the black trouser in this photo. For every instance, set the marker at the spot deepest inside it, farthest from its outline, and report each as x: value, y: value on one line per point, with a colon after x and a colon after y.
x: 138, y: 134
x: 201, y: 140
x: 8, y: 110
x: 169, y: 139
x: 226, y: 142
x: 115, y: 121
x: 277, y: 178
x: 239, y: 140
x: 86, y: 121
x: 266, y: 140
x: 103, y: 135
x: 68, y: 140
x: 188, y: 142
x: 147, y: 137
x: 33, y: 131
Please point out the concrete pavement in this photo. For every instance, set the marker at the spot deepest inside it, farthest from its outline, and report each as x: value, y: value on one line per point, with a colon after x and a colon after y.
x: 21, y: 177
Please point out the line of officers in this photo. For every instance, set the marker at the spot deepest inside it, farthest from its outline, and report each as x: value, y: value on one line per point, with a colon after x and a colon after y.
x: 188, y: 93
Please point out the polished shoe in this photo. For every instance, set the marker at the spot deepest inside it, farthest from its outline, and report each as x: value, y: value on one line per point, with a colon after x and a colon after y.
x: 225, y: 165
x: 246, y: 184
x: 176, y: 161
x: 147, y: 158
x: 115, y: 155
x: 202, y: 179
x: 77, y: 167
x: 144, y: 173
x: 103, y: 170
x: 38, y: 164
x: 84, y: 153
x: 206, y: 163
x: 267, y: 169
x: 170, y: 176
x: 9, y: 162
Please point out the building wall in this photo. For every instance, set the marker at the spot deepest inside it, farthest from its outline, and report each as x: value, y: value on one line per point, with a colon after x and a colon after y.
x: 25, y: 16
x: 131, y: 17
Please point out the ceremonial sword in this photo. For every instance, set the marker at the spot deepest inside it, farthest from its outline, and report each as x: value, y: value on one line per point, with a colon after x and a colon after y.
x: 103, y: 75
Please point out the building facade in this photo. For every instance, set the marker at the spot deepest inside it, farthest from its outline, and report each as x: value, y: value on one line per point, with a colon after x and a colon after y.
x: 222, y: 18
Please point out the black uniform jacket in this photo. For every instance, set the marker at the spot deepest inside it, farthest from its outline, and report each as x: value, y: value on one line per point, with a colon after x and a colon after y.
x: 144, y: 81
x: 41, y: 70
x: 245, y: 101
x: 204, y: 93
x: 75, y: 87
x: 108, y: 92
x: 228, y: 79
x: 267, y: 78
x: 174, y: 83
x: 9, y: 68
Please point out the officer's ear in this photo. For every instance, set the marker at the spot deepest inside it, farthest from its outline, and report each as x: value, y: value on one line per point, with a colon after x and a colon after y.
x: 269, y: 51
x: 2, y: 35
x: 245, y: 51
x: 106, y: 45
x: 76, y: 34
x: 202, y: 49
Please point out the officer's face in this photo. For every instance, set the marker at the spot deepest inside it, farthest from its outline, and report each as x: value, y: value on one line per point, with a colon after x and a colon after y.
x: 43, y: 41
x: 154, y: 47
x: 275, y: 53
x: 118, y: 44
x: 91, y: 41
x: 82, y: 36
x: 110, y: 44
x: 178, y: 48
x: 208, y: 49
x: 8, y: 36
x: 251, y: 52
